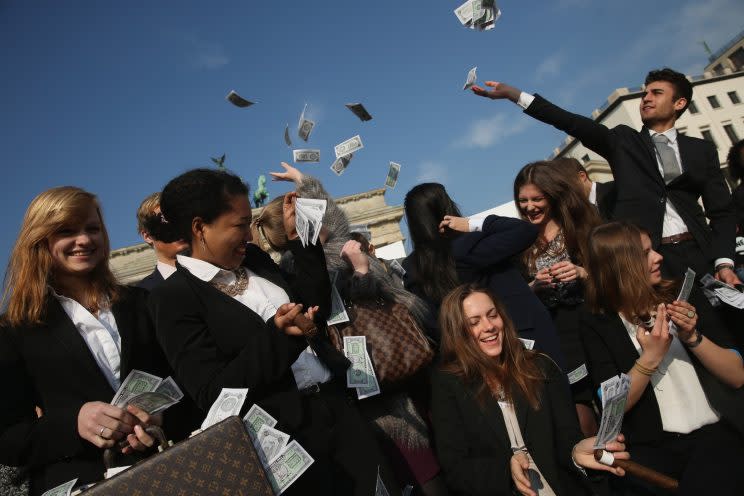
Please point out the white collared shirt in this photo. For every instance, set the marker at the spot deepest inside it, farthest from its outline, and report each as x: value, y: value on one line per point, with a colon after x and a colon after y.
x: 683, y: 405
x: 673, y: 223
x: 100, y: 334
x: 263, y: 297
x: 593, y: 194
x: 165, y: 269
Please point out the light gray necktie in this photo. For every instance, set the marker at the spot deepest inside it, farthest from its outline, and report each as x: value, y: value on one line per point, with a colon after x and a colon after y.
x: 668, y: 157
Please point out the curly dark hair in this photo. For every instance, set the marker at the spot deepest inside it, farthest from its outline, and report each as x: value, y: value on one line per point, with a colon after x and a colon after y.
x: 735, y: 161
x: 682, y: 87
x: 204, y: 193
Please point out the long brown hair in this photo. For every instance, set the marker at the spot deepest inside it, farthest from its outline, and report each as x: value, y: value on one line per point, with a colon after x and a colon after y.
x: 618, y: 273
x: 569, y: 207
x: 30, y: 269
x: 515, y: 369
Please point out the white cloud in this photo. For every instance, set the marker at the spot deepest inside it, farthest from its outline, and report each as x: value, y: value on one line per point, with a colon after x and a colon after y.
x: 432, y: 172
x: 549, y: 67
x: 484, y: 133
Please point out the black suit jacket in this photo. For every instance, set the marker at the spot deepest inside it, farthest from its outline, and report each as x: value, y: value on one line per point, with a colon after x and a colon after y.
x: 641, y: 192
x: 213, y: 341
x: 151, y: 280
x: 473, y: 444
x: 610, y: 351
x: 606, y: 198
x: 50, y: 366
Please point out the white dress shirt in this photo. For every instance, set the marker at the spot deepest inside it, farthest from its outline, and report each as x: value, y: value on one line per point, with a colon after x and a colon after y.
x: 100, y: 334
x: 673, y: 223
x: 263, y: 297
x: 593, y: 194
x: 165, y: 270
x: 682, y: 402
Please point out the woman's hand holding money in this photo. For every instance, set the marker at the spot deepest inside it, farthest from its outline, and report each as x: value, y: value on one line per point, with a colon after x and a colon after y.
x: 684, y: 317
x: 655, y: 343
x: 102, y: 424
x: 583, y: 454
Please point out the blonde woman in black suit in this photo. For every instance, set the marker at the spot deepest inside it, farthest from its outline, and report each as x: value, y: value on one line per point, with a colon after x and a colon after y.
x: 69, y: 336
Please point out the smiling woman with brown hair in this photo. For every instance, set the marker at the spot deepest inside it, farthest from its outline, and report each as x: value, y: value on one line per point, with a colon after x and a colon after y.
x: 70, y: 335
x: 503, y: 418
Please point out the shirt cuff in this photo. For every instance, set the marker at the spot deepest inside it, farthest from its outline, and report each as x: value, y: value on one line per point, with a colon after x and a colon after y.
x: 525, y: 99
x: 476, y: 224
x: 720, y: 261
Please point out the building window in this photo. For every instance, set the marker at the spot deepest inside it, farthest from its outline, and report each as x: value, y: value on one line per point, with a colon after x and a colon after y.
x: 731, y: 132
x: 734, y: 96
x: 693, y: 108
x: 708, y: 136
x: 585, y: 158
x: 714, y: 102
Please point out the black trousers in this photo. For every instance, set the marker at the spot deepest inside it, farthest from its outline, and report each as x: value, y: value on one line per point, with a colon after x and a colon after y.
x: 707, y: 461
x: 346, y: 453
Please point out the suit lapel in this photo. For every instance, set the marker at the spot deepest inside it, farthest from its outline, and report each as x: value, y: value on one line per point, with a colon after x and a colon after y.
x: 685, y: 152
x: 64, y: 330
x: 125, y: 323
x: 651, y: 152
x: 614, y: 333
x: 491, y: 412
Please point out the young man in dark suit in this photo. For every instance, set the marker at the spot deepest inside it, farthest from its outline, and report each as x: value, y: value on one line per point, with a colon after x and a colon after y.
x: 165, y: 252
x: 659, y: 173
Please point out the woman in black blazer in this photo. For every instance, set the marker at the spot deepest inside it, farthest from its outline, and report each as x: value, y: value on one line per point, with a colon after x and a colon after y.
x: 502, y: 412
x: 69, y: 336
x: 450, y: 249
x: 229, y: 317
x: 685, y: 397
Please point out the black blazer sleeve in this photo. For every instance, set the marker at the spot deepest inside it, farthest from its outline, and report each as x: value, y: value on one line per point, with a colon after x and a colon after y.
x: 500, y: 239
x: 593, y: 135
x: 192, y: 350
x: 310, y: 281
x: 465, y: 472
x: 25, y: 439
x: 565, y: 422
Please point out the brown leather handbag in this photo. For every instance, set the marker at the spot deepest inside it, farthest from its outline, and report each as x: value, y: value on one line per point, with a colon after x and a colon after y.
x: 396, y: 344
x: 220, y: 460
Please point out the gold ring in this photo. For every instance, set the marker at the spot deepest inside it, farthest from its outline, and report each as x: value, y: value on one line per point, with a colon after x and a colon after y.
x: 690, y: 314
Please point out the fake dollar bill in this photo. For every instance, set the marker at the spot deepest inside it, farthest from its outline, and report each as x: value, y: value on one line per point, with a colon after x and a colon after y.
x: 238, y: 100
x: 306, y: 127
x: 349, y: 146
x: 270, y: 443
x: 170, y: 388
x: 472, y: 76
x: 480, y: 15
x: 359, y: 373
x: 684, y: 292
x: 152, y: 402
x: 62, y: 489
x: 614, y: 396
x: 359, y: 111
x: 374, y: 388
x: 392, y: 175
x: 380, y: 489
x: 256, y: 418
x: 309, y: 214
x: 341, y: 163
x: 288, y: 467
x: 228, y: 403
x: 287, y: 139
x: 136, y: 382
x: 306, y: 155
x: 338, y: 309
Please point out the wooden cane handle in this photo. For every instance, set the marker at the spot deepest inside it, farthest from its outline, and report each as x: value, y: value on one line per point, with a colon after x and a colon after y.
x: 642, y: 472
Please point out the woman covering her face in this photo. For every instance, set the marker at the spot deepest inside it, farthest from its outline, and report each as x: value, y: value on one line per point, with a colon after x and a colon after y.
x: 685, y: 399
x: 69, y: 337
x: 559, y: 209
x: 231, y: 318
x: 503, y: 417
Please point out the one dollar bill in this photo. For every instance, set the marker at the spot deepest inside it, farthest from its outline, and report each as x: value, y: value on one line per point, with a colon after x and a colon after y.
x: 136, y: 382
x: 288, y: 467
x: 305, y: 155
x: 349, y: 146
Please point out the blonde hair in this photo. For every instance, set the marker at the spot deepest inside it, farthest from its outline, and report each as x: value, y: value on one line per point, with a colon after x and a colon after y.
x: 30, y: 269
x: 146, y: 209
x: 270, y: 225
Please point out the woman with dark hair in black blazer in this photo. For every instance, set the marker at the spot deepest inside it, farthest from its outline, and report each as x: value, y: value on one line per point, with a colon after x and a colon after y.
x: 449, y: 249
x: 230, y: 317
x: 69, y: 336
x: 685, y: 401
x: 503, y: 416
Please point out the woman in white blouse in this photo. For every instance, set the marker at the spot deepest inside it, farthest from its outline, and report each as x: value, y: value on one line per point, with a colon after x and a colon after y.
x: 685, y: 399
x: 69, y: 336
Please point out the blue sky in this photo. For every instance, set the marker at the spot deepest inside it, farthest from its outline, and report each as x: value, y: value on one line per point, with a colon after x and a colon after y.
x: 119, y: 97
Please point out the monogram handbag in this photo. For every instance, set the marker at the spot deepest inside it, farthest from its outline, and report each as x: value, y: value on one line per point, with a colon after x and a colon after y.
x: 220, y: 460
x: 396, y: 344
